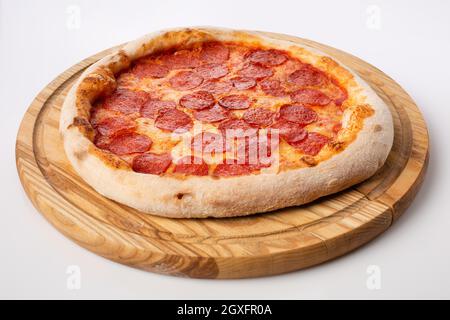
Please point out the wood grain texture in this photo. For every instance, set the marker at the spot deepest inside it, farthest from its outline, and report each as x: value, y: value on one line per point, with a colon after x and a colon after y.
x: 258, y: 245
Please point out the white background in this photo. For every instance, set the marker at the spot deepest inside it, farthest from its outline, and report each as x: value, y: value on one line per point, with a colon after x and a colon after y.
x: 40, y: 39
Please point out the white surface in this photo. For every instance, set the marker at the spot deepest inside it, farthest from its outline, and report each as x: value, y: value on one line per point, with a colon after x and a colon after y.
x: 39, y: 40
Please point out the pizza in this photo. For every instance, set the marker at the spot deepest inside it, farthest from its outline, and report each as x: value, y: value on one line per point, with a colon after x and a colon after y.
x: 208, y: 122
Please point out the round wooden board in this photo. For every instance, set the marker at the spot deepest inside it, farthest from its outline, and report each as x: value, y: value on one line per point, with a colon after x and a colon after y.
x: 258, y: 245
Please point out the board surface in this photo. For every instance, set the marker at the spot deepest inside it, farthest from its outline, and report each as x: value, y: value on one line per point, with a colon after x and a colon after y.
x: 257, y: 245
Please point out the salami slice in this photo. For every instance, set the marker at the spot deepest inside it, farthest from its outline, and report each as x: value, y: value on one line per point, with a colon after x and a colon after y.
x: 298, y: 114
x: 185, y: 80
x: 228, y: 170
x: 115, y: 125
x: 234, y: 124
x: 235, y: 131
x: 310, y: 96
x: 130, y: 143
x: 313, y: 143
x: 198, y: 100
x: 289, y: 131
x: 212, y: 71
x: 243, y: 83
x: 208, y: 142
x: 235, y: 102
x: 268, y: 57
x: 173, y: 119
x: 259, y: 117
x: 272, y: 87
x: 255, y: 71
x: 217, y: 87
x: 153, y: 107
x: 214, y: 114
x: 190, y: 165
x: 307, y: 75
x: 152, y: 163
x: 149, y: 70
x: 338, y: 93
x: 101, y: 141
x: 126, y: 101
x: 214, y: 52
x: 181, y: 59
x: 339, y: 100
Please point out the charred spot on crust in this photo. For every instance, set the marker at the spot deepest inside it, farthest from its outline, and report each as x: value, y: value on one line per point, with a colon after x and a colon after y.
x: 337, y: 145
x: 181, y: 195
x: 109, y: 159
x: 98, y: 83
x: 122, y: 62
x: 79, y: 121
x: 84, y: 126
x: 377, y: 128
x: 100, y: 80
x: 80, y: 155
x: 309, y: 160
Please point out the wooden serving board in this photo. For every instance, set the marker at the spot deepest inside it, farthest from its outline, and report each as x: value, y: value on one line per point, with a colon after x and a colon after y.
x: 258, y: 245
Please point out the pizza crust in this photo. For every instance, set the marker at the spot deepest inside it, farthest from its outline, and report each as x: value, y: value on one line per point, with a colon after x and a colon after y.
x: 198, y: 197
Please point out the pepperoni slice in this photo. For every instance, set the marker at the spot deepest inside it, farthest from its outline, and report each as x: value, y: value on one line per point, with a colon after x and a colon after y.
x: 191, y: 165
x: 115, y: 125
x: 307, y: 75
x: 212, y: 71
x: 214, y: 114
x: 150, y: 70
x: 342, y: 97
x: 243, y: 83
x: 130, y: 143
x: 228, y: 170
x: 259, y: 117
x: 181, y: 59
x: 235, y: 102
x: 268, y: 57
x: 310, y: 96
x: 152, y: 163
x: 217, y: 87
x: 234, y: 124
x: 173, y: 119
x: 289, y: 131
x: 313, y: 143
x: 256, y: 71
x: 298, y: 114
x: 198, y: 100
x: 185, y: 80
x: 126, y: 101
x: 338, y: 94
x: 153, y: 107
x: 214, y: 52
x: 272, y: 87
x: 101, y: 141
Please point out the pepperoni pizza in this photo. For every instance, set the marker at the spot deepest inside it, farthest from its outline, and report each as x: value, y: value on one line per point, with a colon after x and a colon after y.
x: 211, y: 122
